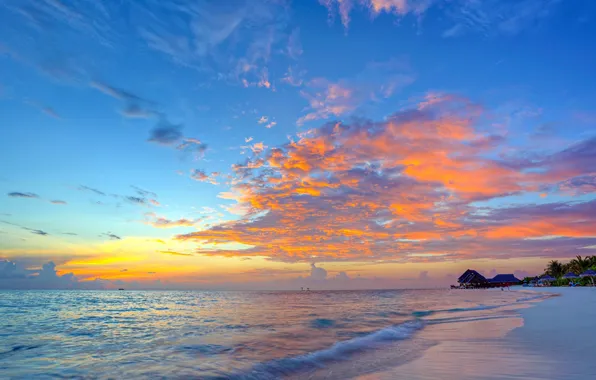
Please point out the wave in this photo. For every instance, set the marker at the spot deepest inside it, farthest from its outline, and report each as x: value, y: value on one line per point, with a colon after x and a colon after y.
x: 205, y: 349
x: 425, y: 313
x: 16, y: 349
x: 469, y: 319
x: 536, y: 297
x: 322, y: 323
x: 339, y: 351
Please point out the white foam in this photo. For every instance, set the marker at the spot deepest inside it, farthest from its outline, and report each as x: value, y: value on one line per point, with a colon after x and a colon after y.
x: 339, y: 351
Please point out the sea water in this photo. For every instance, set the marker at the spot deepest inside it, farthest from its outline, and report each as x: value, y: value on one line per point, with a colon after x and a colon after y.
x: 234, y: 335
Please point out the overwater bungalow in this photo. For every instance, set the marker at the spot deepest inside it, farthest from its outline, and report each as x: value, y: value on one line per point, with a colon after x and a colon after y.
x: 503, y: 281
x: 471, y: 279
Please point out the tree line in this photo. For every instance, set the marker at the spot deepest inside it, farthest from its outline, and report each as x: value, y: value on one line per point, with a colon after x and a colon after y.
x: 558, y: 269
x: 578, y: 265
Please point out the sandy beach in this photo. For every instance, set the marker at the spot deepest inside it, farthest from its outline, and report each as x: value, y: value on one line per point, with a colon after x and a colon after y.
x: 562, y: 330
x: 552, y: 339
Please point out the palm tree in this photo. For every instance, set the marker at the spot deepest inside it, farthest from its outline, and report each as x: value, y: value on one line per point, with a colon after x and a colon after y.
x: 555, y: 269
x: 592, y: 260
x: 579, y: 264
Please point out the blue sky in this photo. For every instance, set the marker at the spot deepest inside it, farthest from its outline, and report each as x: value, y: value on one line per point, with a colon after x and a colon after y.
x: 129, y: 99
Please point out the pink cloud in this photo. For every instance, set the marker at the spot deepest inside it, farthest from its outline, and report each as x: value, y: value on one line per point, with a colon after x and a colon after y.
x: 403, y: 188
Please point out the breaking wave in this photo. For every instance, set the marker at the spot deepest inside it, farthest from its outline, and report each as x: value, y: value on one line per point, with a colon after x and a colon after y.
x: 339, y: 351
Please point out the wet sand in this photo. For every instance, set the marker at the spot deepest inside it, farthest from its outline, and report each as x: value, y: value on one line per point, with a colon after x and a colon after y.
x: 552, y: 339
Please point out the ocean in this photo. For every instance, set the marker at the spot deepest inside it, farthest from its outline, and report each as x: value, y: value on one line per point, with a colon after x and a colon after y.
x: 241, y: 335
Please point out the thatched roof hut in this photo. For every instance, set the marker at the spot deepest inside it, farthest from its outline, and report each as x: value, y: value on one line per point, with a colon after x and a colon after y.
x: 504, y: 280
x: 472, y: 277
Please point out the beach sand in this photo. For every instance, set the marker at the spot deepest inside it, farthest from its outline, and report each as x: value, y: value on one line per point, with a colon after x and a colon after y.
x: 552, y: 339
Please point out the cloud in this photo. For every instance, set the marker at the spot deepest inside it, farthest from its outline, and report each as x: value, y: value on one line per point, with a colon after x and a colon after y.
x: 486, y: 17
x: 294, y: 77
x: 17, y: 194
x: 135, y: 111
x: 111, y: 236
x: 163, y: 222
x: 14, y: 276
x: 327, y: 99
x: 32, y: 230
x: 580, y: 185
x: 378, y: 81
x: 166, y: 133
x: 248, y: 139
x: 51, y: 112
x: 134, y: 106
x: 17, y: 274
x: 142, y: 198
x: 174, y: 253
x: 194, y: 147
x: 317, y: 273
x: 45, y: 109
x: 508, y: 18
x: 136, y: 200
x: 234, y: 40
x: 37, y: 232
x: 271, y: 124
x: 144, y: 193
x: 258, y: 147
x: 294, y: 44
x: 263, y: 119
x: 147, y: 197
x: 561, y: 170
x: 90, y: 189
x: 201, y: 176
x: 413, y: 187
x: 398, y: 7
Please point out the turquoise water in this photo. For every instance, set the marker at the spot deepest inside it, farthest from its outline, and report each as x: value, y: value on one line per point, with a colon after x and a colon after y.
x: 221, y: 335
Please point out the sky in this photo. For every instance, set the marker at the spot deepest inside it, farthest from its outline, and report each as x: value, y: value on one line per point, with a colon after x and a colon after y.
x: 274, y: 144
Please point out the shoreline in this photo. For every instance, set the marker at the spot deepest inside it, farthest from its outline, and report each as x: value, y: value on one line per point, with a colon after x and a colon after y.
x: 550, y: 339
x: 563, y: 330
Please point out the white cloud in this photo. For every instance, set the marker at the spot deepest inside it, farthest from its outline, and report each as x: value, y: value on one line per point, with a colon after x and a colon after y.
x: 480, y: 16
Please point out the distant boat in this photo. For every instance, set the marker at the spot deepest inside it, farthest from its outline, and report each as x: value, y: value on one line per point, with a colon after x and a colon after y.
x: 120, y: 288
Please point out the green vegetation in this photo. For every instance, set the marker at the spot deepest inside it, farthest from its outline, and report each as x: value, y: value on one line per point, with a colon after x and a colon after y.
x: 578, y: 265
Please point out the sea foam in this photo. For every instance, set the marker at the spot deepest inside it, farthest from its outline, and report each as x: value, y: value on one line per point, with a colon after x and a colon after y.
x: 339, y: 351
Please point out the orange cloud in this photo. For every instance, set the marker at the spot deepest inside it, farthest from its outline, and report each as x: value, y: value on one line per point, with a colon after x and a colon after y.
x: 402, y: 188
